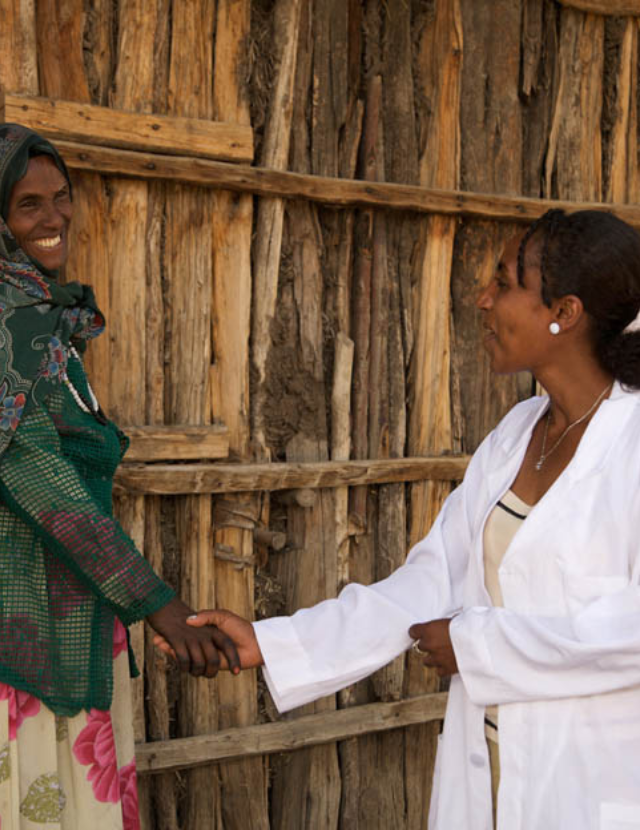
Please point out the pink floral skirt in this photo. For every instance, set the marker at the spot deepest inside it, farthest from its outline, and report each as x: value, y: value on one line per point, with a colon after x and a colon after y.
x: 69, y: 773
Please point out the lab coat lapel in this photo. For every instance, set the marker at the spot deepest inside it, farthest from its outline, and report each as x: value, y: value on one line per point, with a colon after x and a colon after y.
x: 589, y: 459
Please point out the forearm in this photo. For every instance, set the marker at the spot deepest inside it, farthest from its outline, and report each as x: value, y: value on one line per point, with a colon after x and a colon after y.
x: 45, y: 491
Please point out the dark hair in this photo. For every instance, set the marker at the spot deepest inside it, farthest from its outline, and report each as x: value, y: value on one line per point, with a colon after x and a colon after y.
x: 595, y: 256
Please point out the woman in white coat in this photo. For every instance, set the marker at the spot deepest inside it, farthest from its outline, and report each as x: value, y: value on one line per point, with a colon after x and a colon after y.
x: 529, y: 579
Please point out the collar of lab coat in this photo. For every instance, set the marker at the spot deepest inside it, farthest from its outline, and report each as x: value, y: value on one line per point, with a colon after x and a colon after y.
x: 505, y: 457
x: 593, y: 449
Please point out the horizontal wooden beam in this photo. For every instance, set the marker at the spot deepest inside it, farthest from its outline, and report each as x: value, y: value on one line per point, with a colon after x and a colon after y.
x: 65, y: 120
x: 182, y: 479
x: 177, y: 443
x: 612, y: 8
x: 341, y: 193
x: 285, y: 736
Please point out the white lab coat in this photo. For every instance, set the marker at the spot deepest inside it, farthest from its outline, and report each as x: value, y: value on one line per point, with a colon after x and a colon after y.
x: 562, y: 658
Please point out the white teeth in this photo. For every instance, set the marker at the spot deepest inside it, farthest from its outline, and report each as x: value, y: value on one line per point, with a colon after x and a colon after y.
x: 50, y: 242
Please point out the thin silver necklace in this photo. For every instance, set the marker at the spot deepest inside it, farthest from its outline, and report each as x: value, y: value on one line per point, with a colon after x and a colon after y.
x: 544, y: 454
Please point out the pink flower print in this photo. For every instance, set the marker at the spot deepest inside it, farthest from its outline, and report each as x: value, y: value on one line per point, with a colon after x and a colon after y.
x: 119, y: 638
x: 22, y: 705
x: 129, y: 795
x: 95, y: 747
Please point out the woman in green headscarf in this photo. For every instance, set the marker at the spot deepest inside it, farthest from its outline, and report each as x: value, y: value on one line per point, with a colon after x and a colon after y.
x: 70, y: 578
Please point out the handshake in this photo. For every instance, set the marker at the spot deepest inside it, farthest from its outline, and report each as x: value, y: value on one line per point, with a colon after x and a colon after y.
x: 206, y: 642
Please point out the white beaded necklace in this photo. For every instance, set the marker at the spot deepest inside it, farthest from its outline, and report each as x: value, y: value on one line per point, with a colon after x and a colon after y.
x: 92, y: 407
x: 543, y: 454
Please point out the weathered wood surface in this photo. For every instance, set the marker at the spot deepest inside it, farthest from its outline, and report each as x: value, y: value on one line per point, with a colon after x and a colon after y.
x: 286, y: 736
x: 621, y: 114
x: 574, y: 166
x: 175, y: 479
x: 109, y: 127
x: 439, y: 68
x: 177, y: 443
x: 340, y: 193
x: 19, y: 67
x: 127, y: 291
x: 490, y: 114
x: 270, y: 214
x: 188, y: 291
x: 611, y: 8
x: 232, y: 222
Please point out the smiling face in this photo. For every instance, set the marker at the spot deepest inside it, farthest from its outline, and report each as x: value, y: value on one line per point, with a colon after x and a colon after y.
x: 39, y: 213
x: 515, y: 320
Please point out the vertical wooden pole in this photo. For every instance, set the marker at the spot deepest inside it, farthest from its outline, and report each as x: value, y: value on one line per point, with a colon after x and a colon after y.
x: 268, y: 239
x: 18, y: 47
x: 232, y: 231
x: 491, y: 161
x: 189, y: 286
x: 622, y: 185
x: 132, y: 260
x: 439, y: 70
x: 574, y: 156
x: 306, y: 787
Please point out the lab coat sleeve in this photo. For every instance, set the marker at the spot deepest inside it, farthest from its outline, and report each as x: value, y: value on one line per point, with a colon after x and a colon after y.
x: 322, y: 649
x: 506, y: 657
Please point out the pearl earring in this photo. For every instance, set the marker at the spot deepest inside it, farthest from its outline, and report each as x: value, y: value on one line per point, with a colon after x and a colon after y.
x: 554, y: 328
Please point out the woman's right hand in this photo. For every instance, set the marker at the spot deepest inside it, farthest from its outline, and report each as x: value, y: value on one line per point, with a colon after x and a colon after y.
x: 200, y: 650
x: 239, y: 630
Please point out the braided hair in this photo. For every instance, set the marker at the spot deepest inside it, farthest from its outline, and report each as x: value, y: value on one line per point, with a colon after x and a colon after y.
x: 595, y: 256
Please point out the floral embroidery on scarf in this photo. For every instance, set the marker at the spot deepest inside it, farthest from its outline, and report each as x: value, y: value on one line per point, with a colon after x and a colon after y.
x: 54, y: 365
x: 11, y: 407
x: 22, y: 705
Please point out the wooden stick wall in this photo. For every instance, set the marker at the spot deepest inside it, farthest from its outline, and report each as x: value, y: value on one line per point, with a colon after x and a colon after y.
x: 311, y: 314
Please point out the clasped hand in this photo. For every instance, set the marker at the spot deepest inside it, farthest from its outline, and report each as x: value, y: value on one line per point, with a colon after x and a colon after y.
x: 239, y: 647
x: 244, y: 651
x: 200, y: 649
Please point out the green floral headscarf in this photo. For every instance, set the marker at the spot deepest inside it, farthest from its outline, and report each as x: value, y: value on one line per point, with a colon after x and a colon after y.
x: 39, y: 318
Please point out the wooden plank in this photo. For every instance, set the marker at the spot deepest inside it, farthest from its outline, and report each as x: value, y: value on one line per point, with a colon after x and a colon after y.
x: 621, y: 118
x: 177, y: 443
x: 287, y: 736
x: 143, y: 132
x: 128, y: 219
x: 574, y: 157
x: 270, y: 212
x: 306, y: 788
x: 176, y: 479
x: 339, y: 193
x: 389, y: 153
x: 19, y: 64
x: 439, y: 74
x: 232, y: 224
x: 189, y: 287
x: 611, y: 8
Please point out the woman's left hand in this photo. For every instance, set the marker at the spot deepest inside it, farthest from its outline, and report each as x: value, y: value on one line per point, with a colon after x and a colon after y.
x: 434, y: 642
